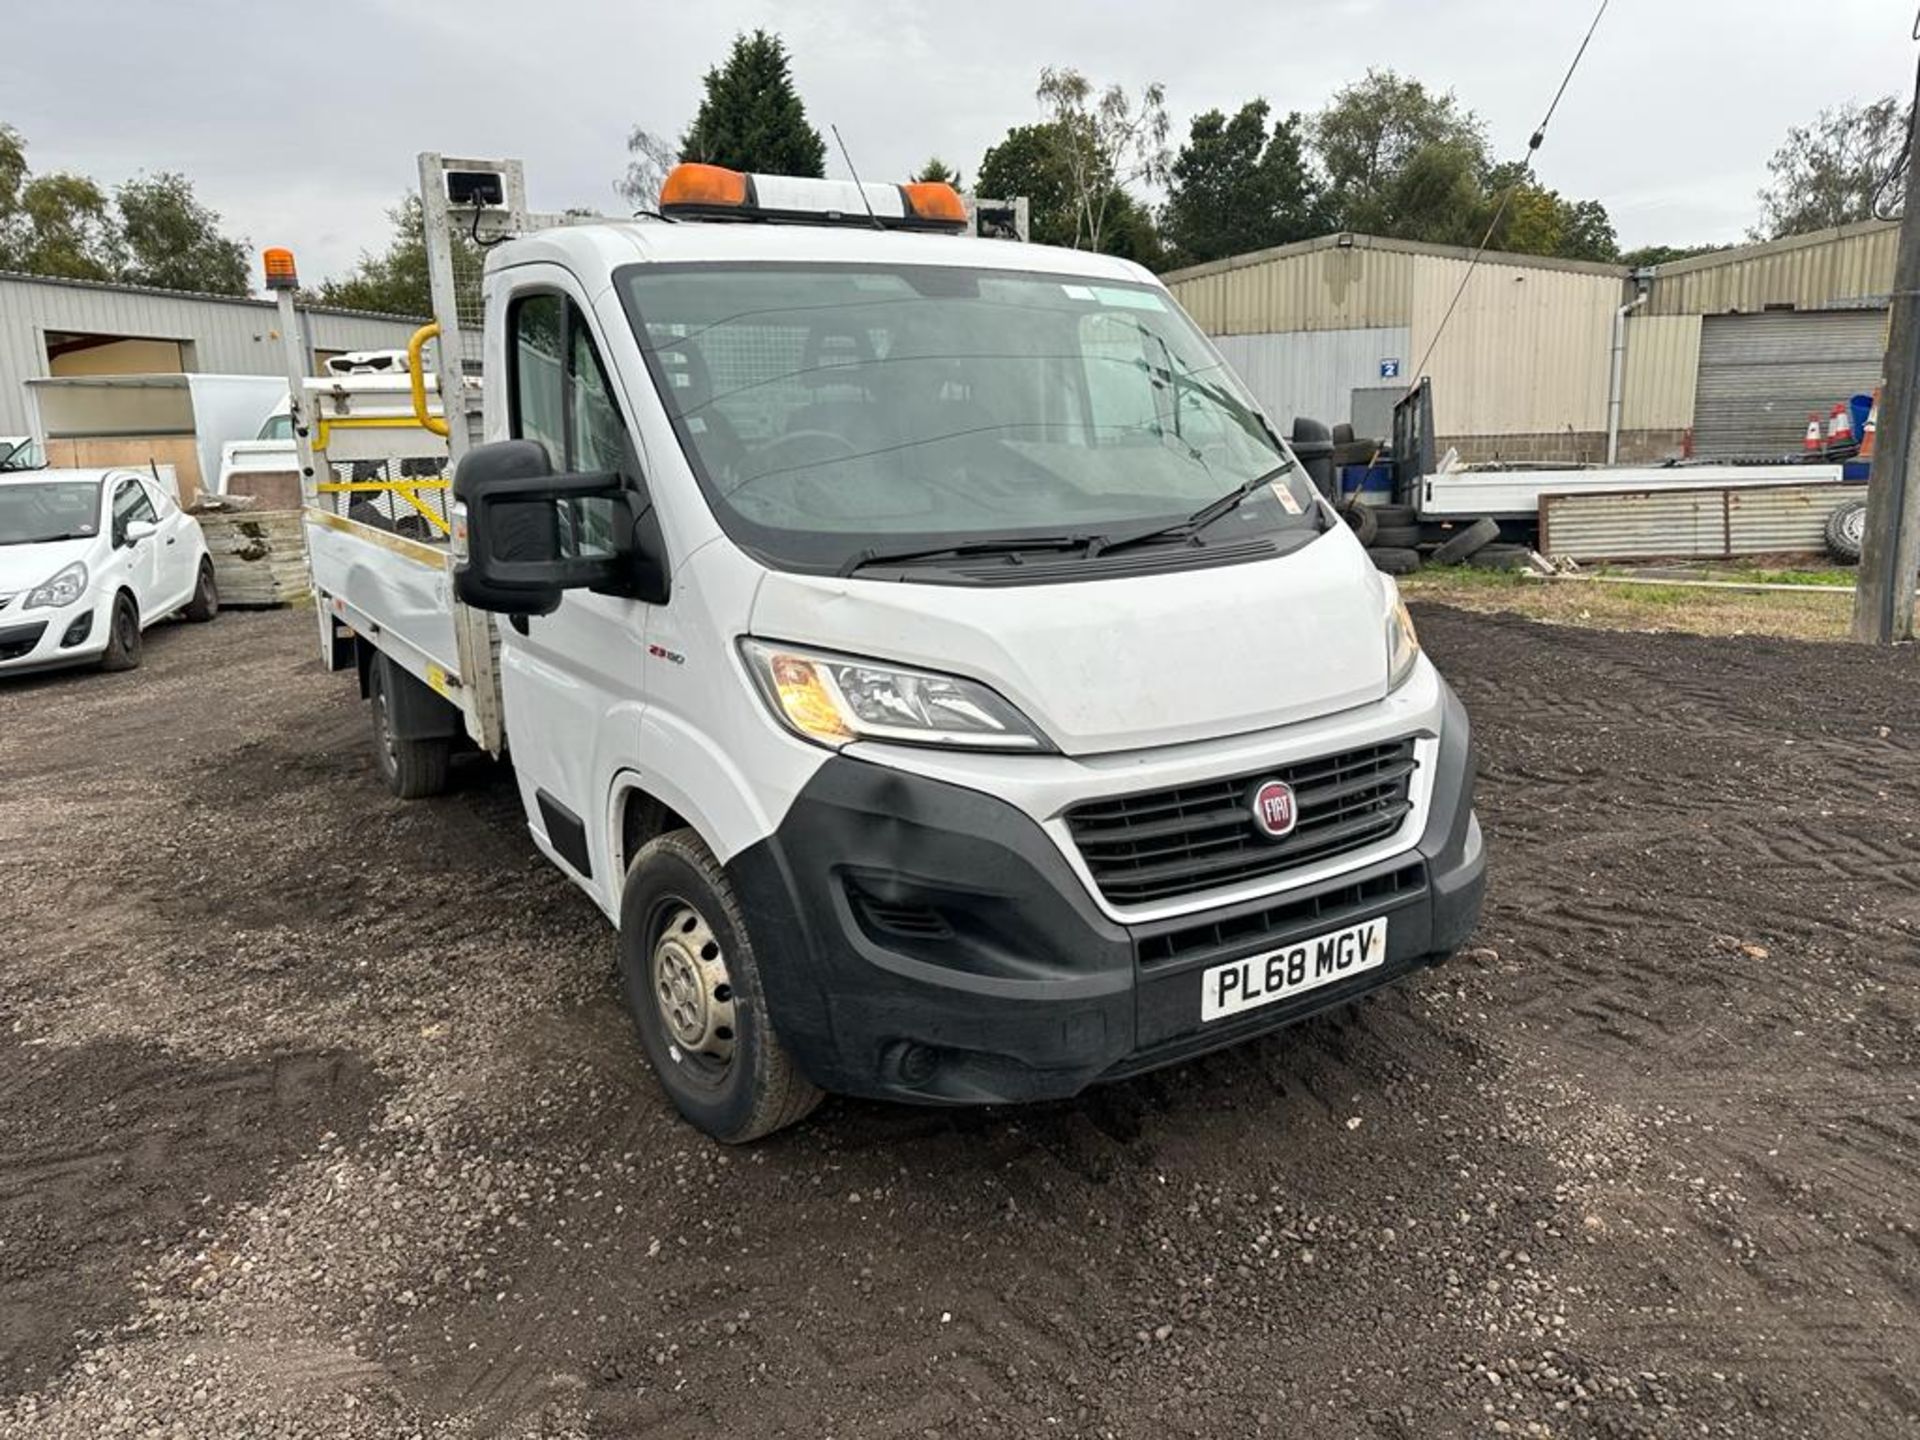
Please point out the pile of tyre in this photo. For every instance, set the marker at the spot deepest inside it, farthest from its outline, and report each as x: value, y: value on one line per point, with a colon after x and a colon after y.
x: 1398, y: 544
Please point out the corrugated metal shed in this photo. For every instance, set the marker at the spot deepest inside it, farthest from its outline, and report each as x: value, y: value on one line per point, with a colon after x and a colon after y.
x: 1313, y: 372
x: 1705, y: 523
x: 1822, y: 271
x: 1336, y: 282
x: 1662, y: 363
x: 220, y: 334
x: 1528, y: 348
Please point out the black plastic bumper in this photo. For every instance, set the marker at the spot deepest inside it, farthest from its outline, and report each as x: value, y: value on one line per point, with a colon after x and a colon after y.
x: 920, y: 941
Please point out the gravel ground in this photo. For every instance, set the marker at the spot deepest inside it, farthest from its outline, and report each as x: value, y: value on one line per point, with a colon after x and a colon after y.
x: 319, y: 1115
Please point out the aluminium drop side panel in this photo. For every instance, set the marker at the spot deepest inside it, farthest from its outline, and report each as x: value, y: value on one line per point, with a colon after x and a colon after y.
x: 1517, y: 494
x: 1709, y: 522
x: 1762, y: 375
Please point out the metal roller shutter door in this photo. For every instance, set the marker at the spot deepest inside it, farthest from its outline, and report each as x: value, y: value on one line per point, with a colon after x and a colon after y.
x: 1762, y: 375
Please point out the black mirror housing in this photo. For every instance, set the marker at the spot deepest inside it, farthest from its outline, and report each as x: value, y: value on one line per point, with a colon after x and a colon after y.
x: 532, y: 534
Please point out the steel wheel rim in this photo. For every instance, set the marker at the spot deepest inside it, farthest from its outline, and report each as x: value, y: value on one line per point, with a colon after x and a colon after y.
x: 1854, y: 525
x: 692, y: 990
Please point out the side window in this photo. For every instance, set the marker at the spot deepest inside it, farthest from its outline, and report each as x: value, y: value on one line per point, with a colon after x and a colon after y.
x: 130, y: 503
x: 562, y: 399
x: 536, y: 327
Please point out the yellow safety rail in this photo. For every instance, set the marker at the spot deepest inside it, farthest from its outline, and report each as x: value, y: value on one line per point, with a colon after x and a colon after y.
x: 435, y: 423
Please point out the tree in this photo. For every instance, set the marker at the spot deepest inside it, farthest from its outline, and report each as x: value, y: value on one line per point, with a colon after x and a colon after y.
x: 1235, y: 186
x: 152, y: 231
x: 1397, y: 156
x: 395, y: 283
x: 1028, y: 162
x: 1850, y: 164
x: 1107, y: 141
x: 752, y: 118
x: 936, y: 170
x: 1648, y: 255
x: 174, y: 242
x: 1538, y: 221
x: 653, y: 156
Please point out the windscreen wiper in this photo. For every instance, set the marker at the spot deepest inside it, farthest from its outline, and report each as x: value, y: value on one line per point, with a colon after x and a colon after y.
x: 1201, y: 518
x: 1013, y: 546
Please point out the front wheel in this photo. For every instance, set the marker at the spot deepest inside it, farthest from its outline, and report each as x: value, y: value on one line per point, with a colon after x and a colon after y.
x: 123, y: 636
x: 206, y: 596
x: 692, y: 986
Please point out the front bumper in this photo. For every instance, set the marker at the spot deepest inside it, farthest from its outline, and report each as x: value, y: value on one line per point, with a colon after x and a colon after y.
x: 922, y: 941
x: 45, y: 639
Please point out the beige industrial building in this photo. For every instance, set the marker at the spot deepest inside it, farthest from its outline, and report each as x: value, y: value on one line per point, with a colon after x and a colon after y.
x: 1723, y: 355
x: 53, y: 328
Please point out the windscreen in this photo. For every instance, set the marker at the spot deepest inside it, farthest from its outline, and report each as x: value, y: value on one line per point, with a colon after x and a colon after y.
x: 830, y: 409
x: 34, y: 512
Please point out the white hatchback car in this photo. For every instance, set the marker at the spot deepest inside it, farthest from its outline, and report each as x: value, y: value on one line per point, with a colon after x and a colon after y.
x: 88, y: 560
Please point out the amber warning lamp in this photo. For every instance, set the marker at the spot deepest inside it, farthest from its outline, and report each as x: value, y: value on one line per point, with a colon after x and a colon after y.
x: 279, y: 267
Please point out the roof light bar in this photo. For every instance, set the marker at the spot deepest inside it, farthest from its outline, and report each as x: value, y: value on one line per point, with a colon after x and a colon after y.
x: 713, y: 192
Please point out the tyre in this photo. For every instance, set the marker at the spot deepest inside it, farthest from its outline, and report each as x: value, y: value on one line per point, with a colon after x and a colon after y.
x: 206, y: 596
x: 1396, y: 537
x: 1394, y: 561
x: 688, y: 972
x: 123, y: 636
x: 1456, y: 548
x: 1360, y: 519
x: 1847, y: 531
x: 1395, y: 515
x: 412, y: 769
x: 1501, y: 557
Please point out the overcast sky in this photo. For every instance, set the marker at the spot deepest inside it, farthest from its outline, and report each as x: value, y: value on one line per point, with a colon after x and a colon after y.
x: 300, y: 123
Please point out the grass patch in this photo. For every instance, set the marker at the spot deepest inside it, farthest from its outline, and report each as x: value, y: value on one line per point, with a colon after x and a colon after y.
x: 1597, y: 605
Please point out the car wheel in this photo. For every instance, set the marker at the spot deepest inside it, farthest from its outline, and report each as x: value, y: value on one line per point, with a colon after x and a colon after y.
x: 413, y: 769
x: 1847, y: 531
x: 206, y: 596
x: 693, y: 989
x: 123, y: 636
x: 1462, y: 544
x: 1394, y: 561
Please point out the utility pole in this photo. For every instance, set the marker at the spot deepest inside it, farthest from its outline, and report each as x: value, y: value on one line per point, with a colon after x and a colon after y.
x: 1890, y: 549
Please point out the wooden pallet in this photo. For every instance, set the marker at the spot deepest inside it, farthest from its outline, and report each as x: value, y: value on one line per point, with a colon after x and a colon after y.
x: 259, y: 556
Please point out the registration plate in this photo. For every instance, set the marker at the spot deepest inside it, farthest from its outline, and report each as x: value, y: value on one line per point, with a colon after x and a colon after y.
x: 1279, y: 974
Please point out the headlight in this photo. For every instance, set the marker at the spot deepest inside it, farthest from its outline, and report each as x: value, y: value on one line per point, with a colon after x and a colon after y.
x: 63, y: 589
x: 834, y: 700
x: 1403, y: 646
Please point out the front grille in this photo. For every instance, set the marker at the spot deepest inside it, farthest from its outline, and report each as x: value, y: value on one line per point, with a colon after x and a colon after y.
x: 1190, y: 838
x: 1224, y: 938
x: 20, y: 640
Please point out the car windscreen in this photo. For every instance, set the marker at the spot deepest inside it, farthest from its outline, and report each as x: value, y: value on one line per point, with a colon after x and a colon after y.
x: 34, y: 512
x: 833, y: 409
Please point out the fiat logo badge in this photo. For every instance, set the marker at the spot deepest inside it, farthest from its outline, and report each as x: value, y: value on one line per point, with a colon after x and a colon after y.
x: 1273, y: 809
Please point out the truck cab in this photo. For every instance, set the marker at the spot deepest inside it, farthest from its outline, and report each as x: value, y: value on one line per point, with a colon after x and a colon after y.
x: 931, y: 661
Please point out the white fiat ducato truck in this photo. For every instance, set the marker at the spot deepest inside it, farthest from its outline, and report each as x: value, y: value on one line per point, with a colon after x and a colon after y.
x: 920, y: 647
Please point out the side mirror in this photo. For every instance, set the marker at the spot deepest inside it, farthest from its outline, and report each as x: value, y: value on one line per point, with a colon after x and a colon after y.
x: 138, y: 530
x: 532, y: 535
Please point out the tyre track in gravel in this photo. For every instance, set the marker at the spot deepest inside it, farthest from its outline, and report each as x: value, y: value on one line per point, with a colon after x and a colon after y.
x: 1614, y: 1171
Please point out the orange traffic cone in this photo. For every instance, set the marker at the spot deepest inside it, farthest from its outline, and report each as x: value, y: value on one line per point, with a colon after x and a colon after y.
x: 1873, y: 424
x: 1812, y: 443
x: 1840, y: 427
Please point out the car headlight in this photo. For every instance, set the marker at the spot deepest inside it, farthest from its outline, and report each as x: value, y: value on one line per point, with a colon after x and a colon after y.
x: 1403, y: 645
x: 835, y: 700
x: 63, y: 589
